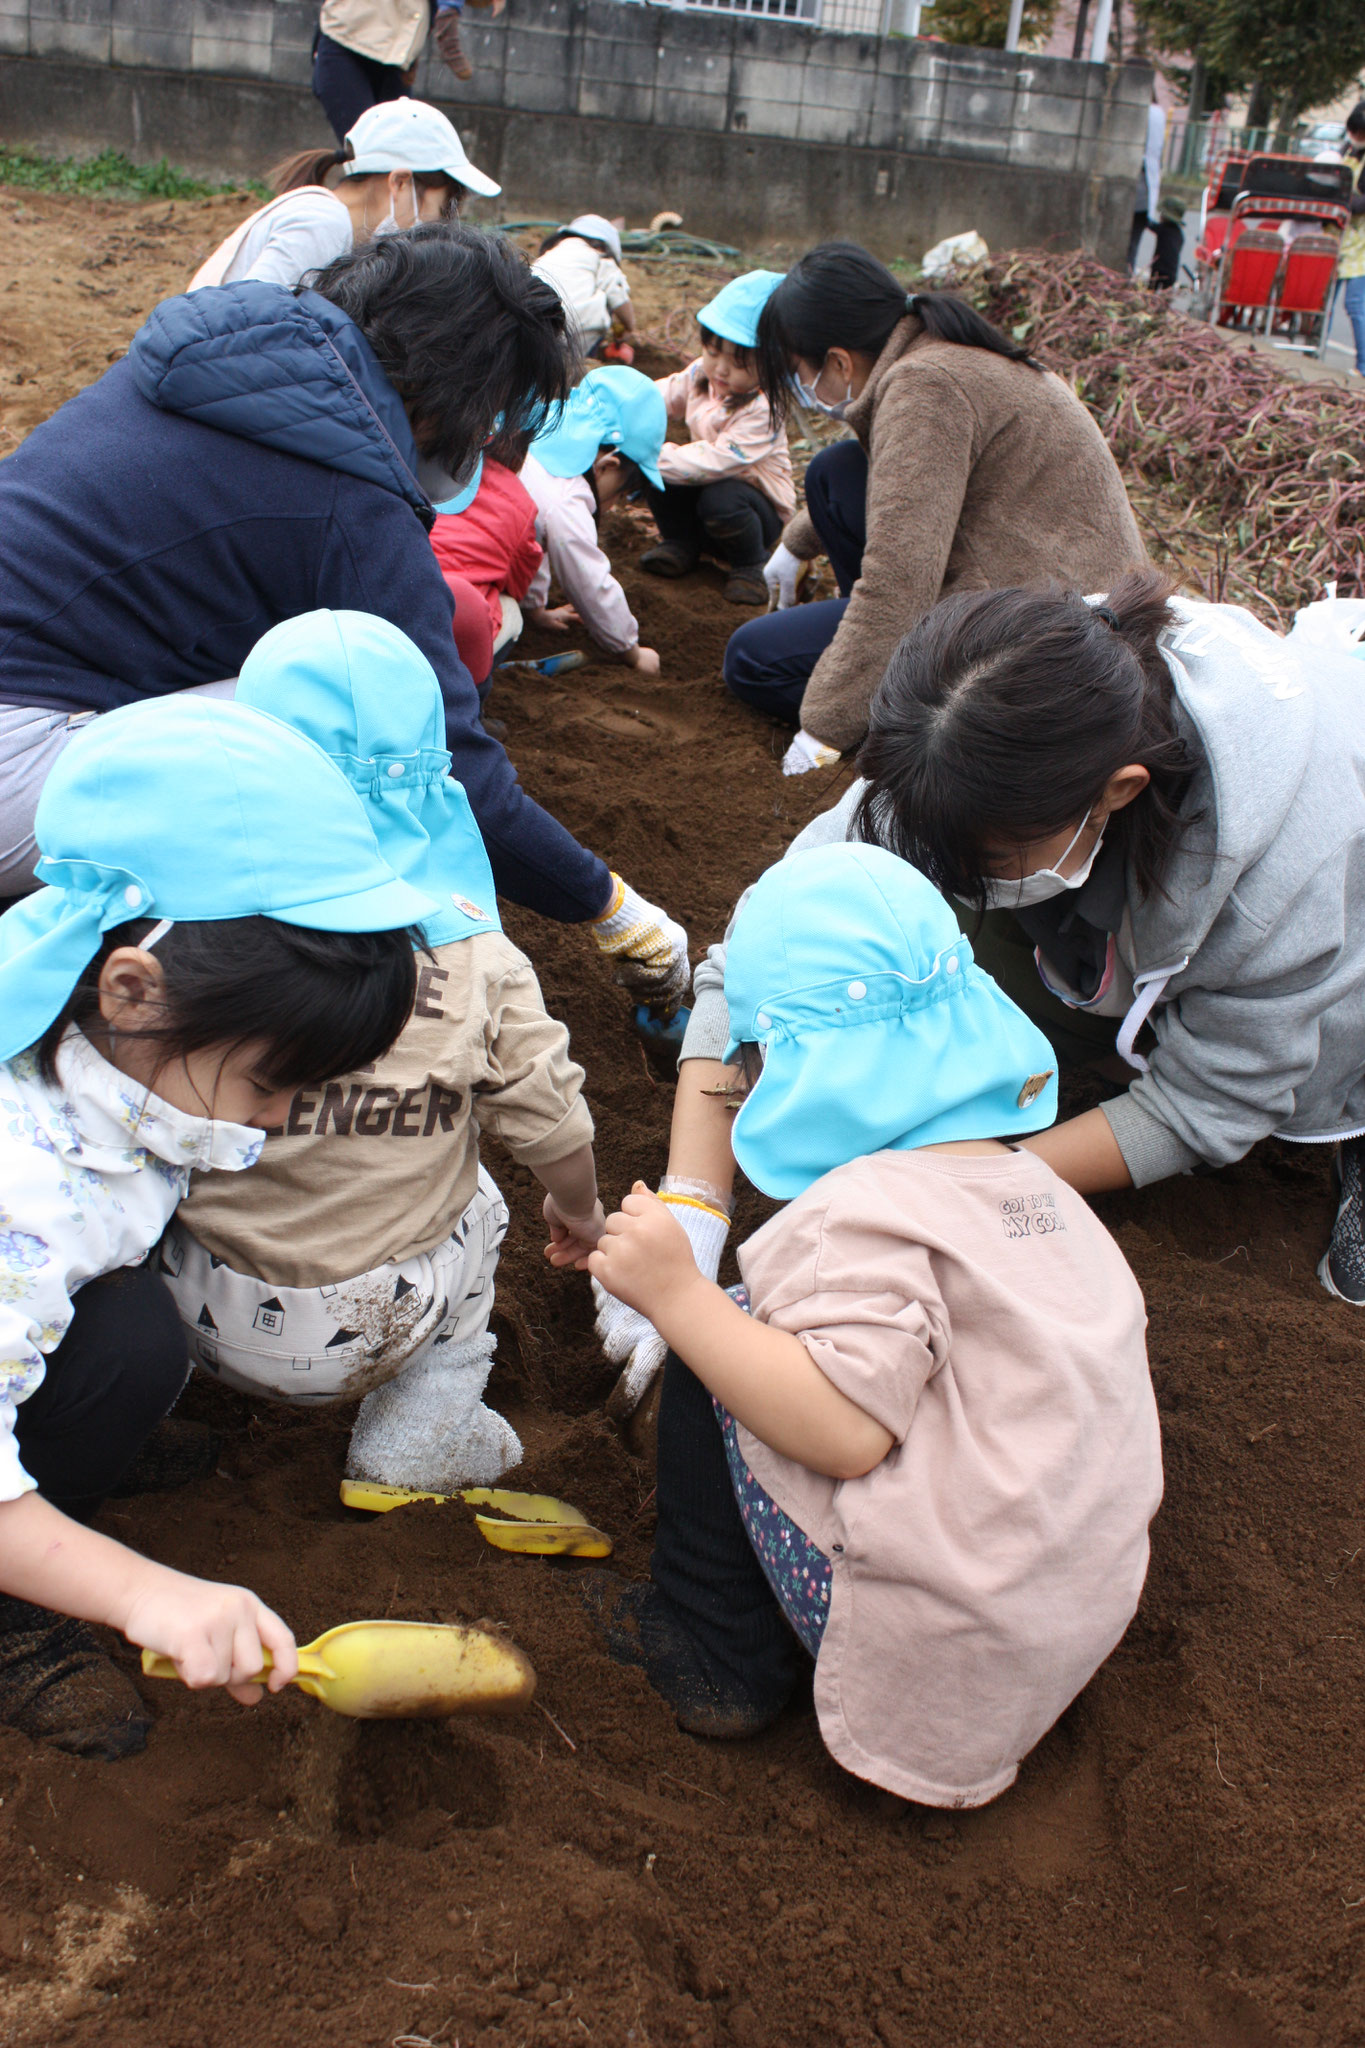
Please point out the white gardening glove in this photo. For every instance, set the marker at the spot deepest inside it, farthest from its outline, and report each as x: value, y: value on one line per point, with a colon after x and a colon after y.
x: 782, y: 572
x: 629, y: 1339
x: 649, y: 949
x: 806, y: 753
x: 429, y: 1428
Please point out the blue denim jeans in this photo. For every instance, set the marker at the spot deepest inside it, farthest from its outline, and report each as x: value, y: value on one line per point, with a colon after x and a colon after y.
x: 1354, y: 294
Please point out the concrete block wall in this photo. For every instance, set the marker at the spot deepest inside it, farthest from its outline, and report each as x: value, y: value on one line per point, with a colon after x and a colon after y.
x: 753, y: 128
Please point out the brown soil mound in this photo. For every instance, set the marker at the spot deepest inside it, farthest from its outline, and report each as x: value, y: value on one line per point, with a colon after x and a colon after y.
x: 1181, y: 1862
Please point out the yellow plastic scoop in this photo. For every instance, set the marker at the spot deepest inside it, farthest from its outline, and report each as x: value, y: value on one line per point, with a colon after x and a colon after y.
x: 403, y: 1671
x: 534, y: 1524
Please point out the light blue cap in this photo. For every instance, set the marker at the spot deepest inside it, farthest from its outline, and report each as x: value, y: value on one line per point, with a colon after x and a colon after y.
x: 614, y: 407
x: 880, y: 1032
x: 465, y: 497
x: 358, y: 687
x: 734, y: 311
x: 189, y: 808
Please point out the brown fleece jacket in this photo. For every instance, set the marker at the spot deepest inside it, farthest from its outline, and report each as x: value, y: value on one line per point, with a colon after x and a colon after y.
x: 982, y: 473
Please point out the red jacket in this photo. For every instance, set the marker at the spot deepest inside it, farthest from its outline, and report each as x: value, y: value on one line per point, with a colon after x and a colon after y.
x: 492, y: 543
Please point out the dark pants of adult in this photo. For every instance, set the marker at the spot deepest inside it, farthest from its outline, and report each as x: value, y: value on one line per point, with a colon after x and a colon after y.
x: 348, y: 83
x: 729, y: 518
x: 703, y: 1562
x: 120, y: 1367
x: 768, y: 661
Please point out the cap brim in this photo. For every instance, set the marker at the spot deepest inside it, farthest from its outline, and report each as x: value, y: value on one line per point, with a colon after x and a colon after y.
x: 474, y: 181
x: 651, y: 471
x: 385, y: 908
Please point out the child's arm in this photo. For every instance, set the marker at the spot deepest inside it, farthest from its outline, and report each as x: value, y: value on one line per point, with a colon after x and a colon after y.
x: 572, y: 1210
x: 585, y: 576
x: 743, y: 438
x: 215, y: 1634
x: 676, y: 389
x: 766, y: 1378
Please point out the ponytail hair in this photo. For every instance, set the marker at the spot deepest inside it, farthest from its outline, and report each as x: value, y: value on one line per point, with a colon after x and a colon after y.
x: 307, y: 167
x: 838, y: 296
x: 1000, y: 719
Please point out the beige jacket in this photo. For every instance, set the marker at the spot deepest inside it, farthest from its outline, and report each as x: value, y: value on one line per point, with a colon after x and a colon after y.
x: 982, y: 1571
x: 388, y: 31
x: 982, y: 473
x: 739, y: 441
x: 380, y: 1166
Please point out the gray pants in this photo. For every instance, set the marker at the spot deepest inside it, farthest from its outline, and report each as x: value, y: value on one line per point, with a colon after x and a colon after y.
x: 30, y: 742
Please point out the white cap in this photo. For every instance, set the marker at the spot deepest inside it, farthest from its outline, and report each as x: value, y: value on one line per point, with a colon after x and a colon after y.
x: 594, y: 229
x: 408, y: 135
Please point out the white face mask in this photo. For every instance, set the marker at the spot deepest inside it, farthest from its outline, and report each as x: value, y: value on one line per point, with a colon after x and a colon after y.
x: 1044, y: 883
x: 389, y: 225
x: 806, y: 395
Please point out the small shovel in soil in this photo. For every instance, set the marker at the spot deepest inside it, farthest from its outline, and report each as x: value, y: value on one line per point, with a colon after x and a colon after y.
x: 549, y: 664
x: 533, y: 1524
x: 403, y: 1671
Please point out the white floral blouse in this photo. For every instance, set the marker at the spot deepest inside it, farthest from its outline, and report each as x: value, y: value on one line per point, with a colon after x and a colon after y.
x: 91, y: 1171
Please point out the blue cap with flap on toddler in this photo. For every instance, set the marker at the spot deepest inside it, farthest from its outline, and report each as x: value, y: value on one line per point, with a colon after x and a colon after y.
x: 190, y: 809
x: 733, y: 314
x: 358, y: 688
x: 880, y: 1032
x: 614, y: 408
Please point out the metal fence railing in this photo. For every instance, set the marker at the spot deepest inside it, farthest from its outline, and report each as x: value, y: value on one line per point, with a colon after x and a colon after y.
x: 1191, y: 146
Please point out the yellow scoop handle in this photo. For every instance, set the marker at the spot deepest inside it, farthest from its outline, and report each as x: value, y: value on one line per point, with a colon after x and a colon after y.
x: 533, y: 1524
x: 403, y: 1670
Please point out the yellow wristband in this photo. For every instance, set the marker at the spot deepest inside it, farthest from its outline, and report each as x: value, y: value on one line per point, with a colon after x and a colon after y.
x: 691, y: 1202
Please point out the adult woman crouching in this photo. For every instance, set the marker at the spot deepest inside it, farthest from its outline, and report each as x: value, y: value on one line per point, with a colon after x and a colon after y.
x: 971, y: 468
x: 1152, y: 814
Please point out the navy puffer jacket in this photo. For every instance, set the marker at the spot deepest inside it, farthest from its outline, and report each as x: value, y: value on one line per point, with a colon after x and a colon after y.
x: 247, y: 461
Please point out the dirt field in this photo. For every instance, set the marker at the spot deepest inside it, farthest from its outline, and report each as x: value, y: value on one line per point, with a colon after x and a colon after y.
x: 1182, y: 1862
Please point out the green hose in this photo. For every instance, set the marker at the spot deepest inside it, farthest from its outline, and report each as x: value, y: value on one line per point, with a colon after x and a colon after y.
x: 645, y: 245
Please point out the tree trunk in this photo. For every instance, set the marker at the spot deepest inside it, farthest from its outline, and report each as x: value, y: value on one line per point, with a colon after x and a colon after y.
x: 1198, y: 86
x: 1258, y: 106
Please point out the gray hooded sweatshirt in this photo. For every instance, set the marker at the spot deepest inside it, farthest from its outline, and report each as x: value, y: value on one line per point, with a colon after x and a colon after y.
x: 1251, y: 965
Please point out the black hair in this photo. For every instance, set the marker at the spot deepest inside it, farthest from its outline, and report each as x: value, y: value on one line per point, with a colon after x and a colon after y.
x: 1355, y: 120
x: 573, y: 235
x: 464, y: 333
x: 311, y: 166
x: 838, y: 296
x: 321, y: 1004
x: 1000, y: 719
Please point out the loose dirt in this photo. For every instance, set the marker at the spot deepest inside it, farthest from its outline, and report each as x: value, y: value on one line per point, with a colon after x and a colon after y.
x: 1182, y: 1860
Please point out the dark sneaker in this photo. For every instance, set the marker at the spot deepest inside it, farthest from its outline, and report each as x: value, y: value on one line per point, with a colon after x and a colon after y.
x: 668, y: 559
x: 58, y: 1686
x: 746, y: 586
x: 1342, y: 1267
x: 177, y: 1453
x: 640, y: 1627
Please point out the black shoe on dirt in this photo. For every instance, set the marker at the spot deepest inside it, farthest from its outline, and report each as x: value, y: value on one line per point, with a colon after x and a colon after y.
x: 668, y: 559
x: 746, y: 586
x: 58, y: 1686
x: 1342, y: 1266
x: 177, y: 1453
x: 640, y: 1627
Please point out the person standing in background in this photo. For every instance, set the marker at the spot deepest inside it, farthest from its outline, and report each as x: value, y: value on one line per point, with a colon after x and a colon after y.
x: 1147, y: 197
x: 1351, y: 263
x: 366, y: 51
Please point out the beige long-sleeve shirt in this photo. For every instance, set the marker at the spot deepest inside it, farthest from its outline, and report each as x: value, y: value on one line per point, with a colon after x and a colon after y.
x: 977, y: 1308
x: 740, y: 441
x: 375, y: 1168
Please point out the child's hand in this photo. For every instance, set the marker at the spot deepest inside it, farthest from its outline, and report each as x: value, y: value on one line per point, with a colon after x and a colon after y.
x: 213, y: 1634
x: 572, y: 1237
x: 643, y: 659
x: 556, y: 618
x: 644, y: 1257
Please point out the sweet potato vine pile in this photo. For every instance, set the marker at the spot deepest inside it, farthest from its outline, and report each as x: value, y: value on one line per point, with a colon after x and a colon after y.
x: 1247, y: 481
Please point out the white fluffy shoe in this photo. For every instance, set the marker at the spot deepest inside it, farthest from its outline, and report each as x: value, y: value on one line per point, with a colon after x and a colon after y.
x: 428, y: 1428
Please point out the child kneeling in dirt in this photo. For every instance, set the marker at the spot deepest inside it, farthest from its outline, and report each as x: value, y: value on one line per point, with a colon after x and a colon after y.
x: 217, y: 928
x: 602, y: 443
x: 930, y: 1446
x: 729, y: 491
x: 361, y: 1260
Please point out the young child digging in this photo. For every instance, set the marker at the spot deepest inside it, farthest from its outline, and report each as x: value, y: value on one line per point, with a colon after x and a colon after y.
x: 361, y: 1261
x: 582, y: 262
x: 729, y: 491
x: 602, y: 445
x: 930, y: 1449
x: 217, y: 928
